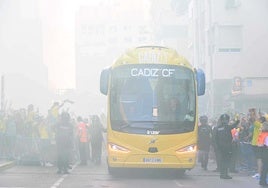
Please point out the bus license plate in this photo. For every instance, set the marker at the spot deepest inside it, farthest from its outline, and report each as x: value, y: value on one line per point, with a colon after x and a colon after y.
x: 152, y: 160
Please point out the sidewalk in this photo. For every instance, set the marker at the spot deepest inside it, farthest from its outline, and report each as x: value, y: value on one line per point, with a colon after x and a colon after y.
x: 4, y: 164
x: 197, y: 171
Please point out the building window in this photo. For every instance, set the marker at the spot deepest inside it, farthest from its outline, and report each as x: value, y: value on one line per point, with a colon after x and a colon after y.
x: 229, y: 38
x: 229, y: 50
x: 237, y: 86
x: 230, y: 4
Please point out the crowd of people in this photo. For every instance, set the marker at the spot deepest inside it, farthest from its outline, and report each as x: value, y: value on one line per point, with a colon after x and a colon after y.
x: 236, y: 144
x: 57, y: 139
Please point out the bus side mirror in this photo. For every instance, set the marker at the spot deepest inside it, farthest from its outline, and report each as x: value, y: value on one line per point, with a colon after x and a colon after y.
x: 201, y: 82
x: 104, y: 80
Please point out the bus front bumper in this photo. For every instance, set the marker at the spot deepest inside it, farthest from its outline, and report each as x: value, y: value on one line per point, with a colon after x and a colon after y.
x: 152, y: 161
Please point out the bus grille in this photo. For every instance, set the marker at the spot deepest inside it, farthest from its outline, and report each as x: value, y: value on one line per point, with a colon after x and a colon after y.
x: 152, y: 150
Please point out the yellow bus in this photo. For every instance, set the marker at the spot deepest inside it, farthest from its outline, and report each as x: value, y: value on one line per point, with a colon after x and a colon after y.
x: 152, y: 109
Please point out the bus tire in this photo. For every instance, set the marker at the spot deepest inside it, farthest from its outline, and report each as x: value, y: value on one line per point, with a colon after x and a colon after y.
x: 181, y: 172
x: 112, y: 171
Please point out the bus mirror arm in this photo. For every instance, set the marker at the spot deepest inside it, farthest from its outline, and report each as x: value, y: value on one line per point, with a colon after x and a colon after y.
x: 201, y: 81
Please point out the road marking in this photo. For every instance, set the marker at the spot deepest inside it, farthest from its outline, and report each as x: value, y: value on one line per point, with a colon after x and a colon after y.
x: 178, y: 183
x: 59, y: 181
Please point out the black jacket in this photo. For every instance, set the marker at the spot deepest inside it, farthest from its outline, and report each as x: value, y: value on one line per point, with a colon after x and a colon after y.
x: 204, y: 137
x: 223, y: 137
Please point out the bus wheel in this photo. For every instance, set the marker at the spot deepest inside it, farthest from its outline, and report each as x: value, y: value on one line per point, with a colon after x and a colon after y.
x: 181, y: 172
x: 112, y: 171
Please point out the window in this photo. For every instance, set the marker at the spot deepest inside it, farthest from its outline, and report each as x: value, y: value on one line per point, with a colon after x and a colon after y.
x: 230, y: 4
x: 229, y: 38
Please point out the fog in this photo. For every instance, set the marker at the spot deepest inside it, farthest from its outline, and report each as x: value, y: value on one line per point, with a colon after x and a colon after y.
x: 52, y: 50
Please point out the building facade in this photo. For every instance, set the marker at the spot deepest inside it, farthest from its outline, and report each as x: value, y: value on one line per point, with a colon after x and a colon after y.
x: 25, y: 75
x: 231, y: 38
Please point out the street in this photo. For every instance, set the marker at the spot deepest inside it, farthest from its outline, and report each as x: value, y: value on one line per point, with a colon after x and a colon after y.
x: 97, y: 176
x: 152, y: 83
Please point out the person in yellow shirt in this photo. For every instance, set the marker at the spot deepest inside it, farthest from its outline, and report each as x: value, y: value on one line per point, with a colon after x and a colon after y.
x: 55, y: 109
x: 263, y: 143
x: 257, y: 125
x: 44, y: 142
x: 53, y: 116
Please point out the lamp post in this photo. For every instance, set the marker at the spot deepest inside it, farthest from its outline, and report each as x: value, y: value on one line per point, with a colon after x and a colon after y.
x: 211, y: 52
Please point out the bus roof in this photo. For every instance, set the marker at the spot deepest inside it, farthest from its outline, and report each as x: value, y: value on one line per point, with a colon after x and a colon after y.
x: 152, y: 55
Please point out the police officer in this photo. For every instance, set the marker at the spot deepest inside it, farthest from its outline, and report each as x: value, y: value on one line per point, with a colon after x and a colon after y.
x: 64, y: 135
x: 223, y: 138
x: 204, y: 141
x: 83, y: 140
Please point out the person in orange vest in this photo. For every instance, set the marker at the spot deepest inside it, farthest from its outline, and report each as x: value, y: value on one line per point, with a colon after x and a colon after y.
x: 83, y: 140
x: 235, y: 149
x: 263, y: 143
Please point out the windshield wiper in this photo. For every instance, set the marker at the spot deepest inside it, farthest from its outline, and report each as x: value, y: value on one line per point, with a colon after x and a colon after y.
x: 123, y: 126
x: 136, y: 124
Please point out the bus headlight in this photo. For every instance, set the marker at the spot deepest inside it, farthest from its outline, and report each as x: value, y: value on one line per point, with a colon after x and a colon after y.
x: 190, y: 148
x: 115, y: 147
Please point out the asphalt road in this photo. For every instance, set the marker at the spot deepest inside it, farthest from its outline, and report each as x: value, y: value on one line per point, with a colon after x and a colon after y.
x: 97, y: 176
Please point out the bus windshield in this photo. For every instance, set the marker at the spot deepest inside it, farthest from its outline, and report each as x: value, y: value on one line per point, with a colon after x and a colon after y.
x: 152, y: 98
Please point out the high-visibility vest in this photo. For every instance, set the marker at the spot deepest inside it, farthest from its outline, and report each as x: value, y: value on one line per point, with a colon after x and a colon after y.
x: 82, y: 132
x: 256, y: 133
x: 55, y: 111
x: 235, y: 134
x: 261, y: 138
x: 43, y: 132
